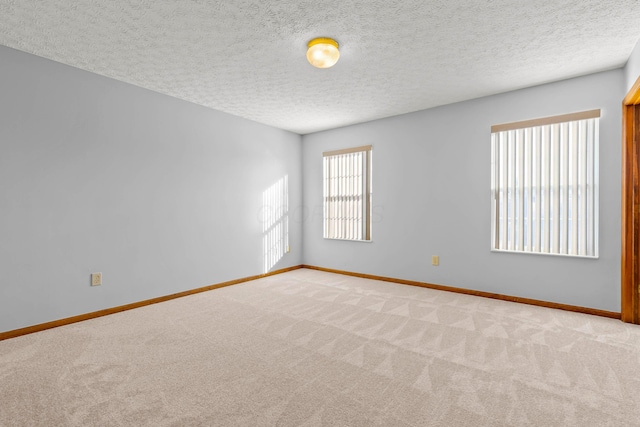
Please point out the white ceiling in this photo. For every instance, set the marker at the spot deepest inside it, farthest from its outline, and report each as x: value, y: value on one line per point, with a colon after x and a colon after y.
x: 247, y: 57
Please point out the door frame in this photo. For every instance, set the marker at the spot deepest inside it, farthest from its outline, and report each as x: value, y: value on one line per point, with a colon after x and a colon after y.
x: 630, y: 274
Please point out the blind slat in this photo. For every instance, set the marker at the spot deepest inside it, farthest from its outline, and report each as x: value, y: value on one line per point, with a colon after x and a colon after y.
x: 555, y: 188
x: 591, y: 184
x: 495, y: 189
x: 537, y: 156
x: 528, y: 178
x: 547, y: 188
x: 512, y: 192
x: 520, y: 176
x: 582, y: 189
x: 504, y: 192
x: 564, y: 188
x: 573, y: 173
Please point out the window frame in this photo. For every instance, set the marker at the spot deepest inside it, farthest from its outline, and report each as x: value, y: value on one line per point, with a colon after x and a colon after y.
x: 580, y: 191
x: 336, y: 201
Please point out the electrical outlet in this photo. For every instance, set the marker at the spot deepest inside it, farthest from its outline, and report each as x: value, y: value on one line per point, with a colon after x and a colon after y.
x: 96, y: 279
x: 435, y: 260
x: 288, y: 249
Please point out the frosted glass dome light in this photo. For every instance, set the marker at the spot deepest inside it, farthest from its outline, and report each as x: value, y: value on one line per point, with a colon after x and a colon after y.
x: 323, y: 52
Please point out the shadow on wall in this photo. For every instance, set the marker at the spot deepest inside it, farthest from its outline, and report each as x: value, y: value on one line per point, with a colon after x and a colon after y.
x: 275, y: 223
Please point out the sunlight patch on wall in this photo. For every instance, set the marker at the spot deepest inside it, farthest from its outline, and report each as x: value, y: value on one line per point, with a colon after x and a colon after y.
x: 275, y: 222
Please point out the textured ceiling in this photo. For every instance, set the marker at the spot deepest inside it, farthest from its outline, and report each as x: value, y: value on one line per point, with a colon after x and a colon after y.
x: 247, y: 57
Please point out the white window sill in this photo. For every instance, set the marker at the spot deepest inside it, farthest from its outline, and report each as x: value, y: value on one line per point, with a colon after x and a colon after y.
x: 348, y: 240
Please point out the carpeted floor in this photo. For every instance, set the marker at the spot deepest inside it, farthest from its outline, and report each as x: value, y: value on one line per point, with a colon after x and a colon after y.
x: 309, y: 348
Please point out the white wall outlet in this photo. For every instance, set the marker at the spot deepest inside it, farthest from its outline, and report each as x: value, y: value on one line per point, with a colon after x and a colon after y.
x: 288, y: 249
x: 96, y: 279
x: 435, y: 260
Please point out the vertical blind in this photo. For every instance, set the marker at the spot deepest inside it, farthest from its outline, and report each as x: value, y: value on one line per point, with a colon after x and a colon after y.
x: 347, y: 194
x: 545, y: 185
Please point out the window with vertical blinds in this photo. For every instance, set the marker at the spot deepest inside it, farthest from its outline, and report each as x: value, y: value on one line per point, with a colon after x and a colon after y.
x: 544, y: 185
x: 347, y: 194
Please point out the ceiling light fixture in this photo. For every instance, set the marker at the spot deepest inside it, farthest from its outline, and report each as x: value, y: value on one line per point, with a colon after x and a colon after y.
x: 323, y: 52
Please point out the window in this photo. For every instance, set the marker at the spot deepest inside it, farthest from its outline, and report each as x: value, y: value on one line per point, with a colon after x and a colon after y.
x: 544, y: 185
x: 347, y: 194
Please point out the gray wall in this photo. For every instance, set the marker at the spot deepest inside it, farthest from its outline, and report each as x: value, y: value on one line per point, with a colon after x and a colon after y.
x: 161, y: 195
x: 431, y: 196
x: 158, y: 194
x: 632, y: 69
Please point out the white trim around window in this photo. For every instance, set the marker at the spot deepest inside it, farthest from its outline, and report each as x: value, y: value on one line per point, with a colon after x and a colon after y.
x: 347, y: 194
x: 544, y: 185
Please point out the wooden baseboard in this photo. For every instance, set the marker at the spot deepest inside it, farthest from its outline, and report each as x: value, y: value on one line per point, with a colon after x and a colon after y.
x: 74, y: 319
x: 105, y: 312
x: 577, y: 309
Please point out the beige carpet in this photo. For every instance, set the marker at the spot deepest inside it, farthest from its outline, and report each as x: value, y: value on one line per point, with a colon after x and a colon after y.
x: 308, y: 348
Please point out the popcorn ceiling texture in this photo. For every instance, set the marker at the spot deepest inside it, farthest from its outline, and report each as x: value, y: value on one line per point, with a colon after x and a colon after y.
x: 247, y: 57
